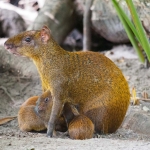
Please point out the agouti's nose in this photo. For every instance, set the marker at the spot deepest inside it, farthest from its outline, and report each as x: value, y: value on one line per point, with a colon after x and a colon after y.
x: 8, y: 46
x: 38, y: 109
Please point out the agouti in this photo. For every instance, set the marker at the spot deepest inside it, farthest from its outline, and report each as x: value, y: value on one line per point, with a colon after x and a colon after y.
x: 80, y: 127
x: 87, y: 79
x: 43, y: 110
x: 27, y: 118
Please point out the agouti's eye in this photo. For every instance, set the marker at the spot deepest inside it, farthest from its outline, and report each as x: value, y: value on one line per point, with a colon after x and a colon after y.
x: 46, y: 99
x: 28, y: 39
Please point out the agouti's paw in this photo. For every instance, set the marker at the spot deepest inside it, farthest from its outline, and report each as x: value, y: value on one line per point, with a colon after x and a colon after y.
x: 49, y: 134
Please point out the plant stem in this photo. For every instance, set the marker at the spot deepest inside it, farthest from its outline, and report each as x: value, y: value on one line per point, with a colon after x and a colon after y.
x: 139, y: 27
x: 129, y: 32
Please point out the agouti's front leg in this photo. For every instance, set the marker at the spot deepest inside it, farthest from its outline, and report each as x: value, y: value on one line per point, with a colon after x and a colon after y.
x: 56, y: 111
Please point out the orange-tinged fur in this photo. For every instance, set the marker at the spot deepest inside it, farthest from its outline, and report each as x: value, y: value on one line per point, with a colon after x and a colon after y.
x: 88, y: 79
x: 30, y: 101
x: 27, y: 118
x: 43, y: 110
x: 80, y: 127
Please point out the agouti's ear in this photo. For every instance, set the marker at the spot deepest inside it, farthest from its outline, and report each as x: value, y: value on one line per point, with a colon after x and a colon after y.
x: 45, y: 34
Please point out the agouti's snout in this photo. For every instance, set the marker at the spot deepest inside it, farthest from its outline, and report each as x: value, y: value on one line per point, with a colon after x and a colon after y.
x: 38, y: 109
x: 11, y: 48
x: 8, y: 46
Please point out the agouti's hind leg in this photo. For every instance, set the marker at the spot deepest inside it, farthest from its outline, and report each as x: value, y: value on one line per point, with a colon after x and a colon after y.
x: 99, y: 119
x: 105, y: 120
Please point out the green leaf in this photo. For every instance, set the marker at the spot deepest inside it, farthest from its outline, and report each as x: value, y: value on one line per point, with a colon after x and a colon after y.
x: 129, y: 30
x: 143, y: 38
x: 122, y: 13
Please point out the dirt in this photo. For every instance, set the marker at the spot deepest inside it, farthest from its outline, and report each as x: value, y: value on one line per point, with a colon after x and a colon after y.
x: 15, y: 89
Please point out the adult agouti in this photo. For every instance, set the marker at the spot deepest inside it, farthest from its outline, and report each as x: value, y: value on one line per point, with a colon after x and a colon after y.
x: 87, y: 79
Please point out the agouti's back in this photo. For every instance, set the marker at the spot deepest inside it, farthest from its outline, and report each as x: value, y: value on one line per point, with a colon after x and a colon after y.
x: 94, y: 74
x: 105, y: 94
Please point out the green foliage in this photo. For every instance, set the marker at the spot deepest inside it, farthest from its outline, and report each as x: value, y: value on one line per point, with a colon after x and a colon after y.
x: 134, y: 30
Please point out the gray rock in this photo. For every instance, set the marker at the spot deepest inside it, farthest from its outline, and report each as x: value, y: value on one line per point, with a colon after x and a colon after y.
x: 11, y: 23
x: 137, y: 121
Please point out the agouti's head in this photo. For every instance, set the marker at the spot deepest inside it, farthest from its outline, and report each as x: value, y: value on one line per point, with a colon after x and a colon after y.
x: 44, y: 105
x: 29, y: 43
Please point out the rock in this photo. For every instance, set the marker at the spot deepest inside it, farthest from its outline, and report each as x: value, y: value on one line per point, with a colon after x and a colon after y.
x: 137, y: 121
x: 11, y: 23
x: 146, y: 109
x: 74, y: 40
x: 106, y: 22
x: 14, y: 64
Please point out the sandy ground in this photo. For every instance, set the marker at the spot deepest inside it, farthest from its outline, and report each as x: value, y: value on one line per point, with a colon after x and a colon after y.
x: 14, y: 90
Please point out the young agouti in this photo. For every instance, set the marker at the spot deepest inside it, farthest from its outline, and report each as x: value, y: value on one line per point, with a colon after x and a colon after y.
x: 80, y: 127
x: 87, y: 79
x: 43, y: 110
x: 27, y: 118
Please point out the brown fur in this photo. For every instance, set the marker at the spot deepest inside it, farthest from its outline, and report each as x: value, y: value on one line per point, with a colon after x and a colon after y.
x: 43, y: 110
x: 27, y: 118
x: 88, y: 79
x: 80, y: 127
